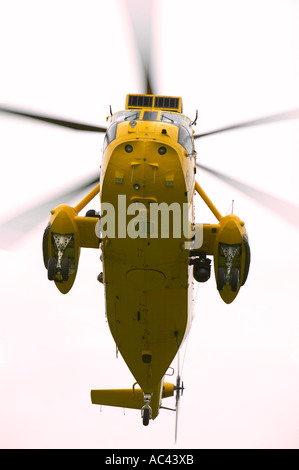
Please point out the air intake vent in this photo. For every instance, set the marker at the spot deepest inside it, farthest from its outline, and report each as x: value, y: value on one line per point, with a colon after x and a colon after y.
x: 140, y: 101
x: 167, y: 102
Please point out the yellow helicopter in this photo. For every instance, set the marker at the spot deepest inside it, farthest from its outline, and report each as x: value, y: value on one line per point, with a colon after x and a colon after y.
x: 148, y: 167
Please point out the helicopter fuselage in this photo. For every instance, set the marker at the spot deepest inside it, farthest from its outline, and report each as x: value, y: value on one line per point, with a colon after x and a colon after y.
x: 148, y: 280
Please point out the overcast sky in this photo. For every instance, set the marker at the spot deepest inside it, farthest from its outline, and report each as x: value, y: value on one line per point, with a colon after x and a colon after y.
x: 232, y: 61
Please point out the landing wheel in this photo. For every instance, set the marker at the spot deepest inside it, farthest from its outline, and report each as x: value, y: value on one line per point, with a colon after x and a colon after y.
x: 92, y: 213
x: 235, y: 280
x: 51, y: 269
x: 65, y: 269
x: 220, y: 278
x: 146, y: 416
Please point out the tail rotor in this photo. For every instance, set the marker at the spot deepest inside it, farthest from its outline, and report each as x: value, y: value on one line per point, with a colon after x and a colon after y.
x: 179, y: 389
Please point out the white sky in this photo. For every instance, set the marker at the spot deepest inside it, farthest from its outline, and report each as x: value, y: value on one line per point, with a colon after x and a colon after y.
x: 232, y: 61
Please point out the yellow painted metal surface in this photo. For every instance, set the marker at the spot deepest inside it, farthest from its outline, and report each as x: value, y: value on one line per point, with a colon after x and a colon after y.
x: 65, y: 221
x: 87, y: 231
x: 62, y: 221
x: 231, y: 232
x: 146, y: 279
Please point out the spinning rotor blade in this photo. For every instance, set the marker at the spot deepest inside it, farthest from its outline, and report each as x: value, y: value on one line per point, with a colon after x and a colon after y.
x: 20, y: 224
x: 141, y: 16
x: 293, y: 114
x: 284, y: 209
x: 78, y: 126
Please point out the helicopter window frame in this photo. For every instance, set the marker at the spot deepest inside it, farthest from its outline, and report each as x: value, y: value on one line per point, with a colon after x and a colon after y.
x: 188, y: 125
x: 105, y: 143
x: 128, y: 115
x: 110, y: 135
x: 185, y: 134
x: 173, y: 118
x: 185, y: 139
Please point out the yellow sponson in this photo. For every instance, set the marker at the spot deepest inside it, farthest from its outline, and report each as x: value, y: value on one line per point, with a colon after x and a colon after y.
x: 227, y: 241
x: 64, y: 221
x: 232, y: 233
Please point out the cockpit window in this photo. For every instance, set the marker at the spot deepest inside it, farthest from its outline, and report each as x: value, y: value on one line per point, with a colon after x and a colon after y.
x: 185, y: 140
x: 110, y: 135
x: 173, y: 118
x: 185, y: 134
x: 150, y: 115
x: 188, y: 124
x: 127, y: 116
x: 185, y: 129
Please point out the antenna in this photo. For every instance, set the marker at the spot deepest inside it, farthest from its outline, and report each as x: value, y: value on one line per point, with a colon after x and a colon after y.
x: 193, y: 123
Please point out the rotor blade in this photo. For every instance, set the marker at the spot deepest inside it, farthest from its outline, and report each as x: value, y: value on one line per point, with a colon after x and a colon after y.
x: 78, y: 126
x: 286, y: 210
x: 23, y: 222
x: 293, y: 114
x: 141, y: 16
